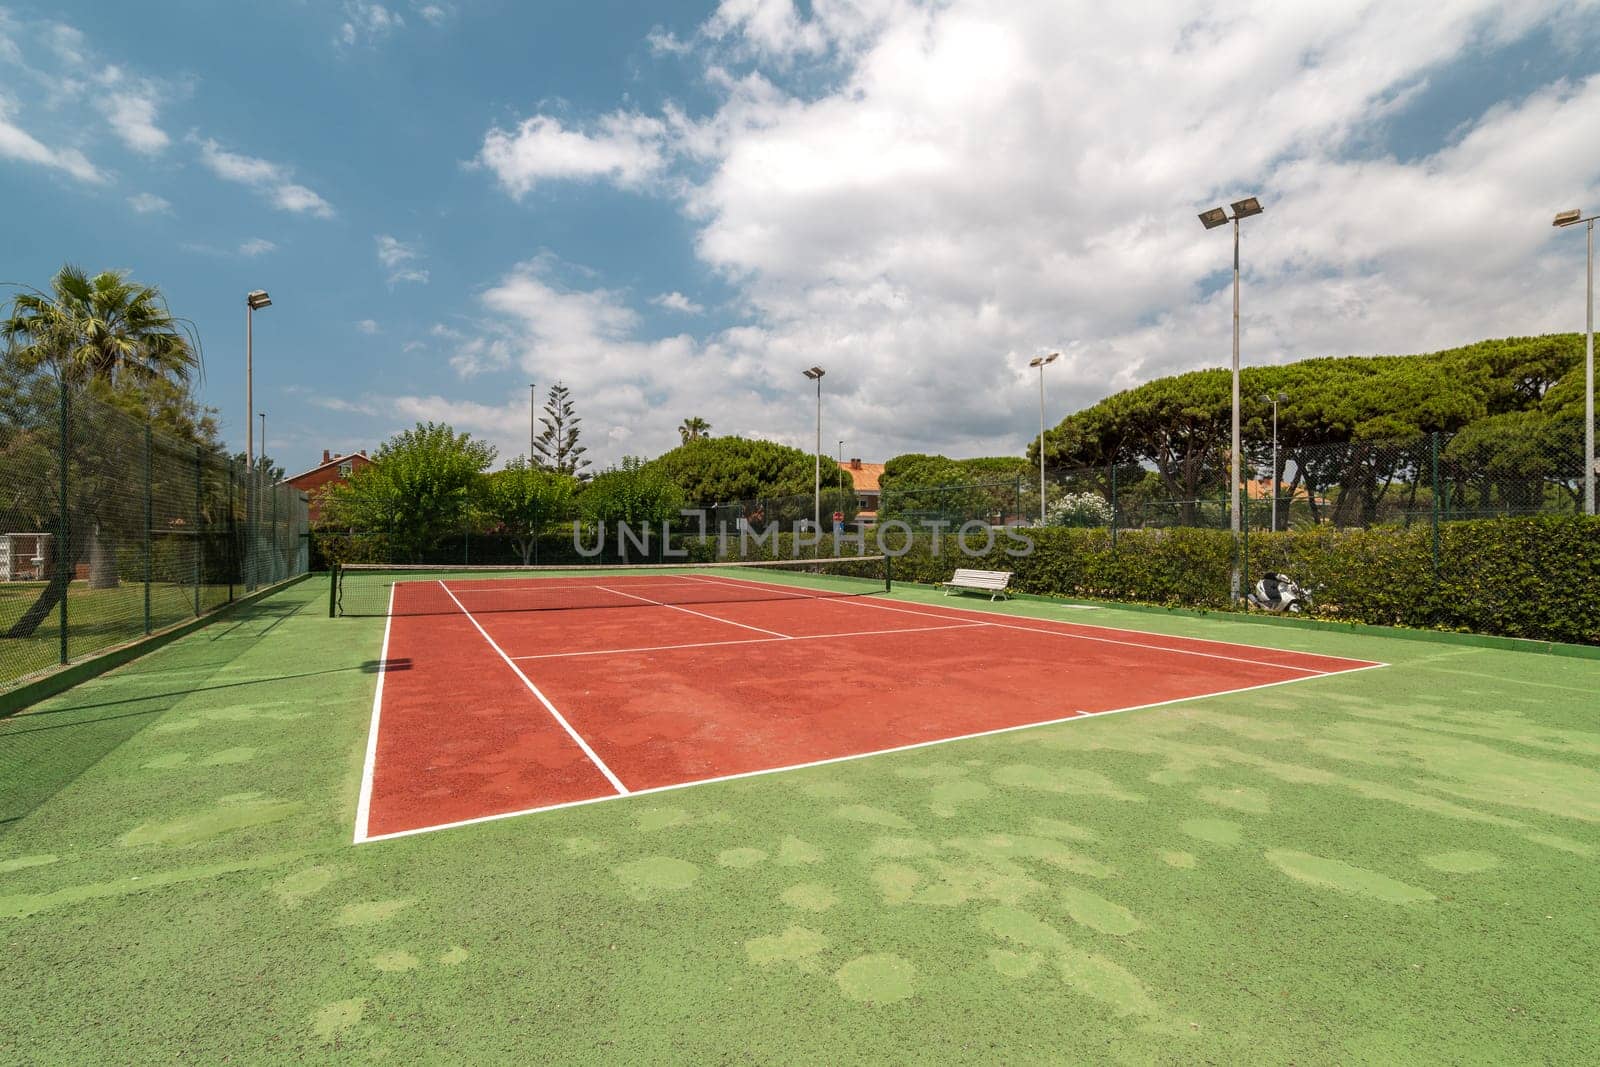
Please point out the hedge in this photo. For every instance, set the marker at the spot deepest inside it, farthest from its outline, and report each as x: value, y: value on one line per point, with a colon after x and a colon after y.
x: 1534, y: 577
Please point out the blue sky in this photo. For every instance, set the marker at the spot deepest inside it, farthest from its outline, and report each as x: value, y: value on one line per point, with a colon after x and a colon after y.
x: 677, y: 207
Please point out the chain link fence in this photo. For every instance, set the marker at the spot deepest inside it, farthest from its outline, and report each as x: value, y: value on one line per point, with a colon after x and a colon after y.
x: 110, y: 531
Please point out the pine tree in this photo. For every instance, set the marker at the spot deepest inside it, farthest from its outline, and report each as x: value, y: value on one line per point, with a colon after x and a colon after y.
x: 557, y: 448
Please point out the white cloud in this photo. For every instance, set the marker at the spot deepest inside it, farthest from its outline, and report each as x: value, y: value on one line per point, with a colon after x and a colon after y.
x: 676, y: 301
x: 367, y: 23
x: 301, y: 201
x: 963, y: 192
x: 623, y: 147
x: 149, y: 204
x: 434, y: 14
x: 132, y: 115
x: 272, y: 179
x: 664, y: 42
x: 257, y: 246
x: 20, y: 145
x: 368, y: 326
x: 398, y: 257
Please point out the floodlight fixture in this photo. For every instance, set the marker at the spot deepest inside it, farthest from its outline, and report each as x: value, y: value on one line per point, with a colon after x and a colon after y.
x: 1213, y: 218
x: 1039, y: 361
x: 1568, y: 218
x: 257, y: 299
x: 1243, y: 209
x: 814, y: 373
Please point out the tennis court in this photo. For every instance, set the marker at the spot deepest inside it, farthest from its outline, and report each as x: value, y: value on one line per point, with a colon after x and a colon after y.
x: 506, y: 694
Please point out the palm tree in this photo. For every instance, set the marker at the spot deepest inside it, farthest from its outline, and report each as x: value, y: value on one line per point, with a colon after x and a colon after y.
x: 101, y: 333
x: 100, y: 329
x: 693, y: 429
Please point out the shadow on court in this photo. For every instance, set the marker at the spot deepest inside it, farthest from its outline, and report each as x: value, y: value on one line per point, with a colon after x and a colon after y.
x: 44, y: 750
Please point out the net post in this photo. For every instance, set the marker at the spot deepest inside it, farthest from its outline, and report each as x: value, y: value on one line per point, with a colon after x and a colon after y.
x: 333, y: 588
x: 64, y: 526
x: 149, y: 520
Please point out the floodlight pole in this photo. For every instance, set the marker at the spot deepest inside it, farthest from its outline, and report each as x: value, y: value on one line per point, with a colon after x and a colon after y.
x: 1275, y: 398
x: 1572, y: 218
x: 253, y: 300
x: 815, y: 374
x: 1233, y: 478
x: 841, y: 468
x: 1242, y: 209
x: 1042, y: 362
x: 533, y: 418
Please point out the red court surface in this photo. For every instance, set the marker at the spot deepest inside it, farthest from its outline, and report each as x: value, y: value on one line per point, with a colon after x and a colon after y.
x: 488, y: 706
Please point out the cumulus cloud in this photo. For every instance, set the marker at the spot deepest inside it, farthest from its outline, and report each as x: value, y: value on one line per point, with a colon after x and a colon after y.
x: 367, y: 23
x: 920, y: 197
x: 20, y: 145
x: 399, y: 259
x: 274, y: 180
x: 622, y: 147
x: 676, y: 301
x: 149, y: 204
x: 132, y: 116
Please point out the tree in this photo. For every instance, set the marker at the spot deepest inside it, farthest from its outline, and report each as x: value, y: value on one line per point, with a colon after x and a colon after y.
x: 103, y: 328
x: 694, y: 429
x: 101, y: 338
x: 633, y: 493
x: 420, y: 487
x: 557, y: 445
x: 524, y: 499
x: 720, y: 470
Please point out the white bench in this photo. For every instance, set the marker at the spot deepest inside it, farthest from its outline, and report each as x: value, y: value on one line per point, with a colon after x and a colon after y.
x: 992, y: 582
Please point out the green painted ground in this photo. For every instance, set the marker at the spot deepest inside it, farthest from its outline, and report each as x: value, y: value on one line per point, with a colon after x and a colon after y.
x: 1394, y: 866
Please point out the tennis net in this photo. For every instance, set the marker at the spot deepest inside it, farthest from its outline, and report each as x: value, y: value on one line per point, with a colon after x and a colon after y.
x: 360, y: 589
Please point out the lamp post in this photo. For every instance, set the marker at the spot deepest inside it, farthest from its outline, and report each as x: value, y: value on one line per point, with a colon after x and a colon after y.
x: 533, y: 418
x: 1274, y: 399
x: 1242, y: 209
x: 815, y: 374
x: 841, y: 468
x: 1573, y: 218
x: 254, y: 301
x: 1042, y: 362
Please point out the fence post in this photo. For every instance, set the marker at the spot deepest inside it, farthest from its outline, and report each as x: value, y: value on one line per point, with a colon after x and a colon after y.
x: 1433, y: 449
x: 64, y: 527
x: 1113, y: 505
x: 149, y: 521
x: 233, y: 534
x: 199, y: 541
x: 277, y: 538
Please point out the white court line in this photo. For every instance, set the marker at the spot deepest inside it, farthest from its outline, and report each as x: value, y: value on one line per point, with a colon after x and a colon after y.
x: 364, y: 804
x: 690, y: 611
x: 551, y: 708
x: 548, y: 587
x: 750, y: 641
x: 859, y: 755
x: 989, y: 617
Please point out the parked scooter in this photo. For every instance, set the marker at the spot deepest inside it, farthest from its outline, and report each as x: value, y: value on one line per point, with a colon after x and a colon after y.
x: 1279, y: 593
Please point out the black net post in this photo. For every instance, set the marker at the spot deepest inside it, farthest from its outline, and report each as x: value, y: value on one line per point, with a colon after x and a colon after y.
x: 333, y: 588
x: 149, y: 521
x: 64, y: 523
